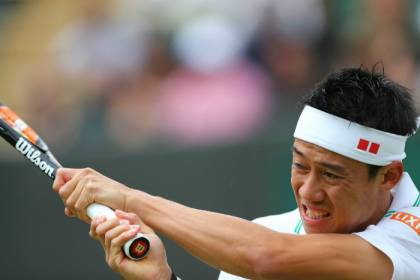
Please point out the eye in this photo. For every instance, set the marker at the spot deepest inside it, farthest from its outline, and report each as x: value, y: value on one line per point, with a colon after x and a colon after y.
x: 331, y: 175
x: 297, y: 165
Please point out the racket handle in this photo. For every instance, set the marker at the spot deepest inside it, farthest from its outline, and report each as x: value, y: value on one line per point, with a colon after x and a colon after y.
x: 135, y: 248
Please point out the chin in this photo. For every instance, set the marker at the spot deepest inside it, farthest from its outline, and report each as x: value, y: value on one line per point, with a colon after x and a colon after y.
x: 311, y: 229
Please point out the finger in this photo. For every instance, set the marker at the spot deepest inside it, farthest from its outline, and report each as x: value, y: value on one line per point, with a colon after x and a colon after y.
x: 92, y: 232
x: 133, y: 219
x: 70, y: 202
x: 94, y: 224
x: 84, y: 199
x: 66, y: 189
x: 69, y: 213
x: 107, y: 225
x: 118, y: 230
x: 62, y: 176
x: 118, y: 241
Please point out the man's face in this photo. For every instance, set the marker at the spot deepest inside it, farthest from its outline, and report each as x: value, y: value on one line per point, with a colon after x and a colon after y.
x: 334, y: 193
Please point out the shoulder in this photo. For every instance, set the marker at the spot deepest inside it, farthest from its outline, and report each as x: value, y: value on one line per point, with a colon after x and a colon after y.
x: 397, y: 235
x: 285, y: 222
x: 404, y: 221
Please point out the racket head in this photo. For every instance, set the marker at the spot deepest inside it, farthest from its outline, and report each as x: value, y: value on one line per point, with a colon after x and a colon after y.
x: 13, y: 121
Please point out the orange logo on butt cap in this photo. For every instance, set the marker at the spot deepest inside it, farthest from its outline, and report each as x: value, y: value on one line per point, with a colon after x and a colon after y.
x: 408, y: 219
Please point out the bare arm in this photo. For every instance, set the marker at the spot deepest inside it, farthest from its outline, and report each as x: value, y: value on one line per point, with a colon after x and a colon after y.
x: 229, y: 243
x: 240, y: 247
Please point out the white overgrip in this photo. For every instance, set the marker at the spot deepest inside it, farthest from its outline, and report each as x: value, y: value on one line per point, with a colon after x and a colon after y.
x: 137, y: 247
x: 97, y: 210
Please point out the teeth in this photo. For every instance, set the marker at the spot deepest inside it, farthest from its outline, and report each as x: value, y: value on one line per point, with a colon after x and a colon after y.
x: 313, y: 214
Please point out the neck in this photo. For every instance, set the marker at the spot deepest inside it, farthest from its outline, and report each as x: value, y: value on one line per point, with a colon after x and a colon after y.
x: 382, y: 208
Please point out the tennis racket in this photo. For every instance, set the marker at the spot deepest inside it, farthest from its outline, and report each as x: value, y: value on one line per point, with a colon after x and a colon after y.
x: 28, y: 143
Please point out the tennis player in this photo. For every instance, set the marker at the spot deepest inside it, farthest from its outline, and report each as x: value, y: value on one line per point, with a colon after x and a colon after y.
x: 357, y: 215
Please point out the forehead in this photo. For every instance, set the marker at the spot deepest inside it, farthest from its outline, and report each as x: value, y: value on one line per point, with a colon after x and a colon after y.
x: 317, y: 153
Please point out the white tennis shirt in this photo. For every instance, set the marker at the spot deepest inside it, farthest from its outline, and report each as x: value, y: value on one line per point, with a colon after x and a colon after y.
x: 397, y: 234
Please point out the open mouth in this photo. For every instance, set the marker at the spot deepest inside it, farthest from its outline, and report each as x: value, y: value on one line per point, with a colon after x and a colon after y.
x: 315, y: 214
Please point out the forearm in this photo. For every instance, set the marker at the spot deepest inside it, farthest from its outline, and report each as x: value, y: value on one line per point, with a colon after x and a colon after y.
x: 249, y: 250
x: 239, y: 244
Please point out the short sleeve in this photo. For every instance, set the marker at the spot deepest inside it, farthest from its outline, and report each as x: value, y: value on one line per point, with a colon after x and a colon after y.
x: 398, y: 237
x: 226, y: 276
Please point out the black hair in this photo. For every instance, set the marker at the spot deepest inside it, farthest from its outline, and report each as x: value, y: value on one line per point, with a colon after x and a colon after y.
x: 368, y: 98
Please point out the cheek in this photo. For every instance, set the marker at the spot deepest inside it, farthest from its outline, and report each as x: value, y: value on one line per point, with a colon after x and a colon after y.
x: 367, y: 202
x: 345, y: 210
x: 362, y: 196
x: 341, y: 200
x: 350, y: 205
x: 295, y: 183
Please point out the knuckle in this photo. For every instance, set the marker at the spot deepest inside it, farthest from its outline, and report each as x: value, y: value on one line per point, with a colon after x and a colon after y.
x: 85, y: 172
x: 110, y: 263
x: 63, y: 193
x: 86, y: 219
x: 70, y: 203
x: 78, y: 205
x: 88, y: 171
x: 69, y: 214
x: 99, y: 231
x: 91, y: 186
x: 108, y: 236
x: 115, y: 221
x: 114, y: 242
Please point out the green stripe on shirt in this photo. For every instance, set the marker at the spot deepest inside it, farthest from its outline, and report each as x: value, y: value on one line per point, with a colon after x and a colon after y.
x: 417, y: 203
x: 389, y: 213
x: 298, y: 226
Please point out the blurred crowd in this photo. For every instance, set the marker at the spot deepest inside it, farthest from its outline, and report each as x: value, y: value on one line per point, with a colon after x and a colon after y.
x: 131, y: 75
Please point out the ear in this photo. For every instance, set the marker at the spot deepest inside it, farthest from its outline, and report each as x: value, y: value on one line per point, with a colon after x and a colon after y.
x: 392, y: 174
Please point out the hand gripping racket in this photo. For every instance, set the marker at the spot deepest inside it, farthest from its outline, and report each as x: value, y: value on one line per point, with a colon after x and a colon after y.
x: 26, y: 141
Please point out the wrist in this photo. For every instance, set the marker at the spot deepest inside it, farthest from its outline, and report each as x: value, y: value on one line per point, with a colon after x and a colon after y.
x: 130, y: 197
x: 165, y: 273
x: 137, y: 201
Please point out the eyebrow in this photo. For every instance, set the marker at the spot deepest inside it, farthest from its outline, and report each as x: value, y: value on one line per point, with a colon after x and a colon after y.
x: 335, y: 167
x: 295, y: 150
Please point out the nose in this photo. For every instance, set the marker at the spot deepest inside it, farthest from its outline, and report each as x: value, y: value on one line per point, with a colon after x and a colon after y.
x: 311, y: 189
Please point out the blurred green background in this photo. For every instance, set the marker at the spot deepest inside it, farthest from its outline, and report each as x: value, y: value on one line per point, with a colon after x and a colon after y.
x: 192, y: 100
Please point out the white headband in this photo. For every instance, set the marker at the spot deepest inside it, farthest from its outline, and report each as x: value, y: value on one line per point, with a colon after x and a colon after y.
x: 349, y: 139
